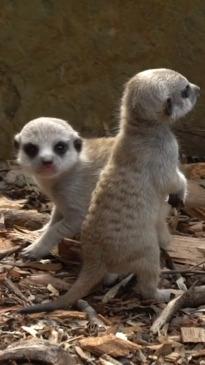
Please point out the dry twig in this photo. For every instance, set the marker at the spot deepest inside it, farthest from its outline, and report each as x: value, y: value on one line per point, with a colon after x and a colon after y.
x: 16, y: 290
x: 193, y: 297
x: 115, y: 289
x: 36, y: 351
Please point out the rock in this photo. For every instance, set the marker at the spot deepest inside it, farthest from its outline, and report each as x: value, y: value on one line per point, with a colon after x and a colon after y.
x: 70, y: 60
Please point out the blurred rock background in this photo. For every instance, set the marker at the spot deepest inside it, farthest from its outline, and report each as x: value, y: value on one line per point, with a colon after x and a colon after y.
x: 69, y: 59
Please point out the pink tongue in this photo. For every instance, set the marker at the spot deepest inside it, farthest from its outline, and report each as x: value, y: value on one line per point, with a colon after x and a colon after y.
x: 48, y: 167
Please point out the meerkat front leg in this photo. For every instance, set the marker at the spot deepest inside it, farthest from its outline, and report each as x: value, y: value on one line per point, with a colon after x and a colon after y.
x: 55, y: 217
x: 51, y: 237
x: 164, y: 236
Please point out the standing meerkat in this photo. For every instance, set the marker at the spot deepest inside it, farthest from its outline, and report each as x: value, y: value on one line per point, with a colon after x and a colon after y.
x: 121, y: 230
x: 66, y: 169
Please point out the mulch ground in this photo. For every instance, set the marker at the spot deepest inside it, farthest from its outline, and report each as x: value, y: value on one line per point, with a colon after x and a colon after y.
x: 112, y: 326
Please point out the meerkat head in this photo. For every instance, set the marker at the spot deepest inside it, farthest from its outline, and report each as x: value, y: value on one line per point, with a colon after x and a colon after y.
x: 47, y: 147
x: 160, y: 95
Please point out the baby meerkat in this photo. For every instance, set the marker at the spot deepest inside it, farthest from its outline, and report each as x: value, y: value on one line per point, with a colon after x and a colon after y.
x: 51, y: 151
x: 121, y: 230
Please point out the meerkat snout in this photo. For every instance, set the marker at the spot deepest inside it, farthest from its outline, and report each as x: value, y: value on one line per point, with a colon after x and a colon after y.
x: 46, y: 147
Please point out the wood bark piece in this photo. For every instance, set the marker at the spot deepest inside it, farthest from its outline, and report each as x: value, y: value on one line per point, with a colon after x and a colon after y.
x: 10, y: 251
x: 38, y: 351
x: 193, y: 334
x: 29, y: 219
x: 45, y: 279
x: 187, y: 250
x: 193, y: 297
x: 194, y: 171
x: 196, y: 195
x: 6, y: 203
x: 108, y: 344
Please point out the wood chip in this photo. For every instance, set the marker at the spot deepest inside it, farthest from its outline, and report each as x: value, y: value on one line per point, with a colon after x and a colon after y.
x: 6, y: 203
x: 193, y: 334
x: 45, y: 279
x: 196, y: 195
x: 187, y: 250
x: 194, y: 171
x: 109, y: 344
x: 29, y: 219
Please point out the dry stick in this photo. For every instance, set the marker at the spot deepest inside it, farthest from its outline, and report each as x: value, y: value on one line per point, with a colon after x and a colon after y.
x: 16, y: 290
x: 193, y: 297
x: 191, y: 270
x: 92, y: 314
x: 115, y: 289
x: 174, y: 272
x: 10, y: 251
x: 36, y: 351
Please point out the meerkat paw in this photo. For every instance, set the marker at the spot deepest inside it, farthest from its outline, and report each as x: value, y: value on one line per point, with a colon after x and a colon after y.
x: 35, y: 251
x: 176, y: 201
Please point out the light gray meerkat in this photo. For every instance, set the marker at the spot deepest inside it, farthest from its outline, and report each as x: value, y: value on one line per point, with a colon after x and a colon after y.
x: 121, y: 230
x: 66, y: 169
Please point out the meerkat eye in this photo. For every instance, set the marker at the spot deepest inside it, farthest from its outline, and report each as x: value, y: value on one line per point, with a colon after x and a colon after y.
x: 31, y: 149
x: 186, y: 92
x: 168, y: 106
x: 61, y: 147
x: 78, y: 144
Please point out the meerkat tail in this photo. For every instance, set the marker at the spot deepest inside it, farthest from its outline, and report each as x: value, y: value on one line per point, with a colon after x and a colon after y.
x: 88, y: 278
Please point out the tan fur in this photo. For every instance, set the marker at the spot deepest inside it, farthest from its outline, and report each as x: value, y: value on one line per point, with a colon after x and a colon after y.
x: 121, y: 232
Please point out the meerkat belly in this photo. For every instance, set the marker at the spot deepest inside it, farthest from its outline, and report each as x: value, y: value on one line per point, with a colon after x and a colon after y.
x: 117, y: 218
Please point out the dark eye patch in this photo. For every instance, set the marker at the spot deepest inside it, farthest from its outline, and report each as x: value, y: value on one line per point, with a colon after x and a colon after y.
x: 61, y: 147
x: 168, y: 106
x: 78, y: 144
x: 186, y: 92
x: 31, y: 149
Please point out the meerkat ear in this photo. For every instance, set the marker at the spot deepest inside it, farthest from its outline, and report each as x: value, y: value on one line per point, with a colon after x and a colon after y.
x: 78, y: 144
x: 168, y: 106
x: 16, y: 141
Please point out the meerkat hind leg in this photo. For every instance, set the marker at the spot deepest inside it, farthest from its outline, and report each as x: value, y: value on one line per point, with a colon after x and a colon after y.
x: 88, y: 278
x: 148, y: 278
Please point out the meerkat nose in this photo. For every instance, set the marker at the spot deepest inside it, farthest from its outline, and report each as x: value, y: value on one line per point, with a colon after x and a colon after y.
x: 46, y: 161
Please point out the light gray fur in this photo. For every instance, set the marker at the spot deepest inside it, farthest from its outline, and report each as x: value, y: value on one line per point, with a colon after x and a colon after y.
x: 70, y: 186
